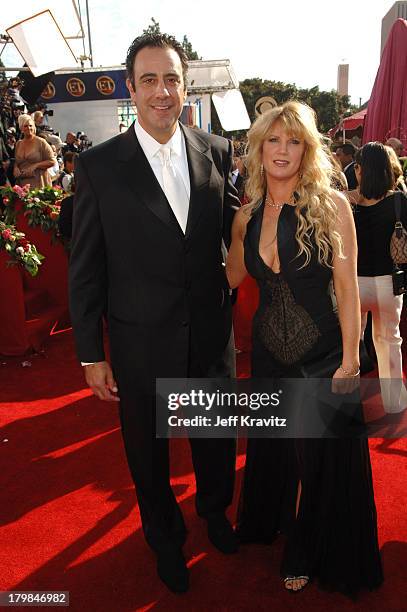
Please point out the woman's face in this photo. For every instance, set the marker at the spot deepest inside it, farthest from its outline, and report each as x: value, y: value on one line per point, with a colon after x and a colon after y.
x: 29, y: 129
x: 282, y: 153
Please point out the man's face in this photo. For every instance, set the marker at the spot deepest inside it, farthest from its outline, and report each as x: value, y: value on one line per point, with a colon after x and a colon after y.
x: 396, y: 146
x: 343, y: 158
x: 70, y: 138
x: 158, y: 91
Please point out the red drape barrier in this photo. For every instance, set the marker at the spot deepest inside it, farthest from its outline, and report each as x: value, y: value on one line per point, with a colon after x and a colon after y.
x: 387, y: 109
x: 31, y: 306
x: 13, y: 333
x: 53, y: 274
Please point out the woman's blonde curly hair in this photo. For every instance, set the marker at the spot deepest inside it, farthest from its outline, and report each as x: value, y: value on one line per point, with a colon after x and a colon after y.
x: 315, y: 207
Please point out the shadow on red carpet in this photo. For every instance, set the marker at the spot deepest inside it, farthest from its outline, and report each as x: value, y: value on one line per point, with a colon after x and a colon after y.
x: 70, y: 521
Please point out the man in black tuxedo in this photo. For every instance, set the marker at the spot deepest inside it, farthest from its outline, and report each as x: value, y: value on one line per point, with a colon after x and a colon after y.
x: 346, y: 153
x: 152, y: 206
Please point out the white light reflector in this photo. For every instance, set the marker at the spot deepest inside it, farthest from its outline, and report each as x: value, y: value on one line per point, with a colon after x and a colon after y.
x: 64, y: 12
x: 231, y: 110
x: 41, y: 44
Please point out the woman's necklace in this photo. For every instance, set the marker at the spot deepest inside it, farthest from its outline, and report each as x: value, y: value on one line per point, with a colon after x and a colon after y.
x: 270, y: 202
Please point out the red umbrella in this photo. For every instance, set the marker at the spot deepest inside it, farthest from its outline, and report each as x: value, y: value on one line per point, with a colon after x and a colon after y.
x: 354, y: 121
x: 387, y: 109
x: 349, y: 123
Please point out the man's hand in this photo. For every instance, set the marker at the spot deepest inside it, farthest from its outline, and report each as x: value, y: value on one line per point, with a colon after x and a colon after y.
x: 99, y: 377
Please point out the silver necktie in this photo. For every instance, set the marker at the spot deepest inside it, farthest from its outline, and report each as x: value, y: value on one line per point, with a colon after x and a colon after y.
x: 174, y: 187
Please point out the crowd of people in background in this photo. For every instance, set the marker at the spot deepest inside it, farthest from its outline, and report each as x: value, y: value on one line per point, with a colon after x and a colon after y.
x: 31, y: 151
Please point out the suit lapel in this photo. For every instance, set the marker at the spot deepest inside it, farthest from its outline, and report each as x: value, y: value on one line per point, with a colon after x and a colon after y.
x: 136, y: 172
x: 200, y: 168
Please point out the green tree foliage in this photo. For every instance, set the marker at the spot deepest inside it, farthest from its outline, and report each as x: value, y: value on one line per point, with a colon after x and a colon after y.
x: 328, y: 105
x: 186, y: 45
x: 154, y: 28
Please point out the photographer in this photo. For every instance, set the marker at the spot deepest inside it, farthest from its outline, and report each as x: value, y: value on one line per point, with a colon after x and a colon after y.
x: 84, y: 142
x: 71, y: 144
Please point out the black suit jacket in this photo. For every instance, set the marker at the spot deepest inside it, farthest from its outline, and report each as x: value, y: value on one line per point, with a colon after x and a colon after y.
x: 351, y: 176
x: 165, y: 293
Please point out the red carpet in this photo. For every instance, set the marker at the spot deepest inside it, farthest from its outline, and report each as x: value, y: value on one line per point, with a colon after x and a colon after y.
x: 69, y: 518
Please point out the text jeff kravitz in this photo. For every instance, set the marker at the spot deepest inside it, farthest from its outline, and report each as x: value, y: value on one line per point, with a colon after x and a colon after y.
x: 230, y: 421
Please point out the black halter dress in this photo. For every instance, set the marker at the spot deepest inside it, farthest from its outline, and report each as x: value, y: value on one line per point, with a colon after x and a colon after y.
x: 334, y: 536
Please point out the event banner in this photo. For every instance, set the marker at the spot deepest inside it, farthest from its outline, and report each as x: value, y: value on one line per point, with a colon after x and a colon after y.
x: 277, y: 408
x: 103, y: 85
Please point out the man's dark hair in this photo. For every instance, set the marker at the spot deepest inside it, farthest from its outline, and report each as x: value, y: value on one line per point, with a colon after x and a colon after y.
x: 161, y: 41
x: 348, y: 148
x: 377, y: 176
x: 70, y: 157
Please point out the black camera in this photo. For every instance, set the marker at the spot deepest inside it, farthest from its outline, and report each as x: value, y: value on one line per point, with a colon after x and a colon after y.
x: 399, y: 281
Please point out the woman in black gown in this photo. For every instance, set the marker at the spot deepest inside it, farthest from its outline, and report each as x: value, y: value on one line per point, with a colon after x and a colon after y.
x: 294, y: 237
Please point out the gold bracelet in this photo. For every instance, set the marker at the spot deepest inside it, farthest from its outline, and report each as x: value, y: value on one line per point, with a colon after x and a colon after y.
x: 347, y: 373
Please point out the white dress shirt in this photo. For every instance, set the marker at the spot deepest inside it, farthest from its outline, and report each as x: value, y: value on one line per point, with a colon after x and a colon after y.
x: 179, y: 159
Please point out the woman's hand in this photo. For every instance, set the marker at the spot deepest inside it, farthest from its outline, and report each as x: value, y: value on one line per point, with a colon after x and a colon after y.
x: 16, y: 171
x: 343, y: 383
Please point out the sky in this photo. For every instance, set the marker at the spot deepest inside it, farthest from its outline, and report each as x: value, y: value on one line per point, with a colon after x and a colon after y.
x: 292, y: 41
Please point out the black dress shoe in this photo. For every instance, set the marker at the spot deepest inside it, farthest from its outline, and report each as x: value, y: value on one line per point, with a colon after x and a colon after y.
x: 221, y: 534
x: 173, y: 571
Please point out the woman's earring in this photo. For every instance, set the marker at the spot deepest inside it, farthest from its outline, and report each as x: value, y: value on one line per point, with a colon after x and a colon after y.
x: 261, y: 170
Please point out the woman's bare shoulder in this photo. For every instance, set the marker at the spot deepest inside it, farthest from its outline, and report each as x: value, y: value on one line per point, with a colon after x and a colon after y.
x: 352, y: 196
x: 343, y: 200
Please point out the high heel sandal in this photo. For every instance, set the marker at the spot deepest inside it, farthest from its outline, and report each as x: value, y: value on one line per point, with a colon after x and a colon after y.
x: 292, y: 579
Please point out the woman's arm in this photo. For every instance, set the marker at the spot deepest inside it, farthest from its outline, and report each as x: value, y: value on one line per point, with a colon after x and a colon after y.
x: 235, y: 266
x: 48, y: 157
x: 346, y: 288
x: 44, y: 164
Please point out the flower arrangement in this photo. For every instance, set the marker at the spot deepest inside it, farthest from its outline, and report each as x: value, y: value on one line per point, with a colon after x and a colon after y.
x: 11, y: 197
x: 47, y: 194
x: 21, y: 251
x: 44, y: 214
x: 40, y: 206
